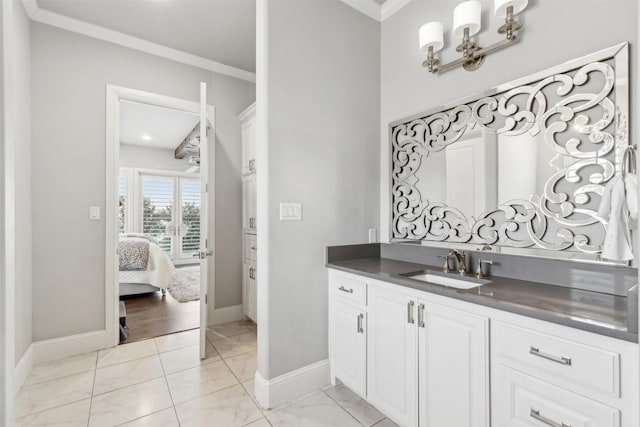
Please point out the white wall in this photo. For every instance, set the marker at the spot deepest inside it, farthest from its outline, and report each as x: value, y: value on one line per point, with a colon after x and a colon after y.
x: 555, y: 31
x: 322, y: 133
x: 70, y: 73
x: 17, y: 100
x: 136, y: 156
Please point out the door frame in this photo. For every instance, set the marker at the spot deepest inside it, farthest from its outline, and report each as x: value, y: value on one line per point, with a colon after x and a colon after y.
x: 115, y: 94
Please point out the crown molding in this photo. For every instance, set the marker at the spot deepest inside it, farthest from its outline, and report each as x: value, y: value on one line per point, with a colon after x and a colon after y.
x: 390, y: 7
x: 376, y: 11
x: 367, y: 7
x: 101, y: 33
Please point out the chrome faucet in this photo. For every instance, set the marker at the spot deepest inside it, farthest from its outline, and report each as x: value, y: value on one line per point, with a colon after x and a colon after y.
x: 462, y: 260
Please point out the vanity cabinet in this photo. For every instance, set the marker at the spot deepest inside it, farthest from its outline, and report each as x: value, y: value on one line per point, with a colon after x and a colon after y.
x: 422, y: 358
x: 428, y: 360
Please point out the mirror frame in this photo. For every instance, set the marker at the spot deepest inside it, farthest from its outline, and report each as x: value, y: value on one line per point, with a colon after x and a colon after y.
x: 456, y: 230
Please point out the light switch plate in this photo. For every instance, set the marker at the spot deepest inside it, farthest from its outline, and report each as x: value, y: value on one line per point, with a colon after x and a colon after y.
x: 94, y: 213
x: 290, y: 212
x: 373, y: 235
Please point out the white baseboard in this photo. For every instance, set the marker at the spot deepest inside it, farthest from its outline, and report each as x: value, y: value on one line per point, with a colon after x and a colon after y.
x: 226, y: 315
x: 285, y: 388
x: 59, y: 348
x: 23, y: 368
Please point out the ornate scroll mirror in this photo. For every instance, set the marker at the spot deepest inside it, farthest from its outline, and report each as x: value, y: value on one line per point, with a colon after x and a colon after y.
x: 521, y: 167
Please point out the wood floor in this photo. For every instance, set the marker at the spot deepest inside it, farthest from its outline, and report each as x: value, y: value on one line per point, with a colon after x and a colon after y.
x: 152, y: 315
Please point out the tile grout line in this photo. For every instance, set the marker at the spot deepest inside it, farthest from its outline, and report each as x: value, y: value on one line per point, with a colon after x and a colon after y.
x: 93, y: 386
x: 343, y: 408
x: 173, y: 403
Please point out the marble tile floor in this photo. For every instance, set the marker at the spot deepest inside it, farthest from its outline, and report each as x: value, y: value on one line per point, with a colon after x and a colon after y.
x: 161, y: 382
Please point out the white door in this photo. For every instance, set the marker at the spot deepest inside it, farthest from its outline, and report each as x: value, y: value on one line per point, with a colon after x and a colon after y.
x: 349, y: 346
x: 392, y: 351
x: 205, y: 252
x: 453, y: 366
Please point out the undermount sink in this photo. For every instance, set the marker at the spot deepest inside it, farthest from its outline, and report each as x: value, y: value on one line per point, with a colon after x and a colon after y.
x: 444, y: 279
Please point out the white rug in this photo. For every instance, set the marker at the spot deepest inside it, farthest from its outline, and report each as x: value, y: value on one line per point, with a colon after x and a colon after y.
x: 185, y: 284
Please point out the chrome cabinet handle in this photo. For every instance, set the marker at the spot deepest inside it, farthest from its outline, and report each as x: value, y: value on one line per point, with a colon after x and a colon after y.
x: 252, y: 165
x: 343, y: 289
x: 534, y: 413
x: 360, y: 318
x: 252, y: 273
x: 562, y: 360
x: 421, y: 316
x: 410, y: 318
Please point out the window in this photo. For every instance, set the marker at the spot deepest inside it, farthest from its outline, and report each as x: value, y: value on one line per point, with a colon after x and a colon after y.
x: 190, y: 216
x: 167, y: 208
x: 157, y: 210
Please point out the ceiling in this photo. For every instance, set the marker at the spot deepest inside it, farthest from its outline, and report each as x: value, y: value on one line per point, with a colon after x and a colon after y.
x: 165, y: 127
x: 220, y: 30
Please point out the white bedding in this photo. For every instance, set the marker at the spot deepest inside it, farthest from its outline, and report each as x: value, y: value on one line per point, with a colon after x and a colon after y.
x: 159, y: 270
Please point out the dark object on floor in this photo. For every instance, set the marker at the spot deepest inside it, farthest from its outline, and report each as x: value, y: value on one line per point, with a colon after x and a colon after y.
x: 123, y: 321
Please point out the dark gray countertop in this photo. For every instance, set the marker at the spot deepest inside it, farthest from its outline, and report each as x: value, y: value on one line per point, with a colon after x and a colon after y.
x: 596, y: 312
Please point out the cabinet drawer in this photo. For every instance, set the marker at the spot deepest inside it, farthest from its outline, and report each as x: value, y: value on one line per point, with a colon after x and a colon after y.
x: 572, y: 365
x: 521, y: 400
x: 352, y: 290
x: 250, y: 247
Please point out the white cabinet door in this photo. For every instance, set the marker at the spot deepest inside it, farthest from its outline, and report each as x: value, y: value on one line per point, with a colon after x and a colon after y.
x: 349, y: 346
x: 392, y: 355
x: 249, y: 295
x: 453, y: 366
x: 249, y: 146
x: 249, y: 203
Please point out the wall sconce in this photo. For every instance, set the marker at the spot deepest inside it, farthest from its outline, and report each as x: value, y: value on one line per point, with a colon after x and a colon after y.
x: 466, y: 24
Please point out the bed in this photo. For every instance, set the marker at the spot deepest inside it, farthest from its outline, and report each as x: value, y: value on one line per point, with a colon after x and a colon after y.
x: 144, y: 266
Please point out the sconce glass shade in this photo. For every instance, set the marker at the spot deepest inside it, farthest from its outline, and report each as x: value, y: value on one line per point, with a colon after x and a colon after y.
x: 467, y: 15
x: 500, y: 6
x: 430, y: 35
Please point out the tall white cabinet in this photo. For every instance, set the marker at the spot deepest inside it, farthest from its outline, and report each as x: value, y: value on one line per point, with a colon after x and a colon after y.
x: 249, y: 217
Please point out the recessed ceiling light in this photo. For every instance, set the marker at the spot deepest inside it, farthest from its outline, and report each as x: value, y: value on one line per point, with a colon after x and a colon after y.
x: 146, y: 137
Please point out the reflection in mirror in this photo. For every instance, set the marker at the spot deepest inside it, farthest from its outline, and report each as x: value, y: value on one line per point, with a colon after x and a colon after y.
x: 522, y: 166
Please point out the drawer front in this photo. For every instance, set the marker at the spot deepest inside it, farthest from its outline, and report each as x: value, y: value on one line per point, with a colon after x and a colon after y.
x: 250, y: 247
x: 349, y: 289
x: 521, y: 400
x: 578, y: 367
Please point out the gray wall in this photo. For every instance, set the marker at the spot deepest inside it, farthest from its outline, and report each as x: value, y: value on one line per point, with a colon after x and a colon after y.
x: 323, y: 119
x: 18, y: 134
x: 70, y: 73
x: 136, y: 156
x: 555, y: 31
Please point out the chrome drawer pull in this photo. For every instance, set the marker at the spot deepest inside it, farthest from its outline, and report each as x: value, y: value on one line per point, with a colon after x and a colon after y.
x: 360, y: 317
x: 410, y: 318
x: 534, y: 413
x: 562, y: 360
x: 343, y: 289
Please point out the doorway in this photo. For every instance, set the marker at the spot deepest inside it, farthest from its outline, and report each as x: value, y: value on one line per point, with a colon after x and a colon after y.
x: 158, y: 221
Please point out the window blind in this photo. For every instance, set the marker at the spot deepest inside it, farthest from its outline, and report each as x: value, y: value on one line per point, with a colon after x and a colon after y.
x: 157, y: 210
x: 190, y: 210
